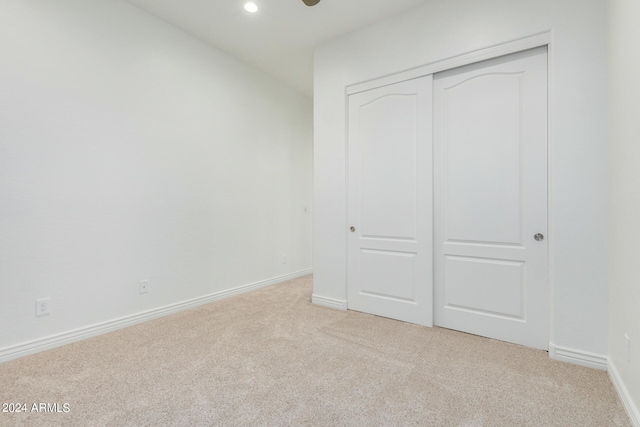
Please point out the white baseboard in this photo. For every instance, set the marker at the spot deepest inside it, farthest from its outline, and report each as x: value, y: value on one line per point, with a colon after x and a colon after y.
x: 57, y: 340
x: 578, y: 357
x: 329, y: 302
x: 627, y: 401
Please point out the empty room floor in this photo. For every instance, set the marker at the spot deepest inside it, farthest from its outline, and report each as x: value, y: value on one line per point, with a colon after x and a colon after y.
x: 270, y: 357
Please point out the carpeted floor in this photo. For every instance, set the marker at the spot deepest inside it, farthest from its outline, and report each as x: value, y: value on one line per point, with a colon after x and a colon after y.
x: 271, y: 358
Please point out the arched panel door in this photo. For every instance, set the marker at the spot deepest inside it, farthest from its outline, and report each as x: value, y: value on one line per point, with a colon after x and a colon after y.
x: 390, y: 244
x: 490, y: 188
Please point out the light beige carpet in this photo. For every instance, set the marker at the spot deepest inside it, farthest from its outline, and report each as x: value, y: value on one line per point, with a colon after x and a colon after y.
x: 271, y: 358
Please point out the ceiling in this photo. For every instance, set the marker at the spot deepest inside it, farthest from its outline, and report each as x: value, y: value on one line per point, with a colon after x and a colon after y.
x: 279, y: 39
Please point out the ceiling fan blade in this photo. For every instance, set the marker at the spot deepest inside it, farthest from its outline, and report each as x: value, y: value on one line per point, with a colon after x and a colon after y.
x: 311, y: 2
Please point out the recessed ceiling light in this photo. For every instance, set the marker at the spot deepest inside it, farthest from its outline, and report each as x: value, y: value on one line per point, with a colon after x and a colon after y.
x: 250, y: 7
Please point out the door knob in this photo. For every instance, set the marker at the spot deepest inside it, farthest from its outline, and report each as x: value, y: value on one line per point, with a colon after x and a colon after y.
x: 352, y: 229
x: 539, y: 237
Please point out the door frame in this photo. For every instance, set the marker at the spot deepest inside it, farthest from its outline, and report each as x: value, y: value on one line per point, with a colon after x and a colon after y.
x: 530, y: 42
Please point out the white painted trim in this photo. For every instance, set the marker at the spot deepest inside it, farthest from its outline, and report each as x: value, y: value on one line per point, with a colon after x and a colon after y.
x: 57, y: 340
x: 627, y: 401
x: 530, y: 42
x: 578, y: 357
x: 339, y: 304
x: 550, y: 195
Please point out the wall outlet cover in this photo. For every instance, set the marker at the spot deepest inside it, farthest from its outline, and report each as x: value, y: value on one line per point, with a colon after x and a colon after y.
x: 144, y: 286
x: 43, y: 306
x: 627, y: 347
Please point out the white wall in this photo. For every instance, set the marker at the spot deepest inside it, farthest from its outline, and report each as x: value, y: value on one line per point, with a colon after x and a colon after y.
x: 624, y: 274
x: 580, y: 179
x: 130, y: 150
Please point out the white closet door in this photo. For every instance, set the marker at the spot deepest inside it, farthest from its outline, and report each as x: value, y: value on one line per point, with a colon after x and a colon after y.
x: 490, y: 195
x: 390, y: 251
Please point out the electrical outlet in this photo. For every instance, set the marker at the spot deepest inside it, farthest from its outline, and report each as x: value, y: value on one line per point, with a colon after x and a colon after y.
x: 144, y: 286
x: 284, y: 259
x: 42, y: 306
x: 627, y: 347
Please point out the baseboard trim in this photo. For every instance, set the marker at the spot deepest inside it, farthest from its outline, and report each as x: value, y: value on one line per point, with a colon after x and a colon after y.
x: 578, y: 357
x: 625, y: 397
x: 329, y: 302
x: 58, y: 340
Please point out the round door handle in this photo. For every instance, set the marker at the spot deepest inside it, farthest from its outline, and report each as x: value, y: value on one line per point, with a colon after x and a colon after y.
x: 352, y: 229
x: 539, y: 237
